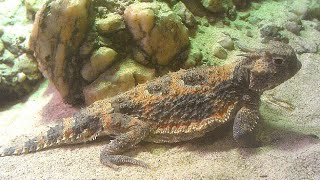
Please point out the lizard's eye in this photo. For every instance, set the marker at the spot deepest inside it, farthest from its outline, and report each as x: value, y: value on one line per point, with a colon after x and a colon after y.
x: 278, y: 60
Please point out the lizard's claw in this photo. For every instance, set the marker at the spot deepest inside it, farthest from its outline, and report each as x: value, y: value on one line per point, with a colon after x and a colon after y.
x: 113, y: 161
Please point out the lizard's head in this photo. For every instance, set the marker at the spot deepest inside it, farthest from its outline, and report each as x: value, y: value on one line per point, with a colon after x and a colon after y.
x: 271, y: 66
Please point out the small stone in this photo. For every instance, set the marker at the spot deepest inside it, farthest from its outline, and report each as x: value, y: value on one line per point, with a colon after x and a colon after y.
x: 213, y: 5
x: 99, y: 61
x: 294, y: 18
x: 21, y: 77
x: 32, y: 6
x: 244, y: 16
x: 140, y: 56
x: 7, y: 57
x: 185, y: 14
x: 194, y: 58
x: 112, y: 23
x: 256, y: 6
x: 1, y: 31
x: 293, y: 27
x: 249, y: 33
x: 317, y: 27
x: 302, y: 46
x: 227, y: 43
x: 253, y: 20
x: 220, y: 52
x: 1, y: 47
x: 269, y: 30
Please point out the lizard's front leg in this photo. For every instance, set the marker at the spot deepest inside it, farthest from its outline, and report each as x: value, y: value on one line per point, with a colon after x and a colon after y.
x: 128, y: 132
x: 244, y: 126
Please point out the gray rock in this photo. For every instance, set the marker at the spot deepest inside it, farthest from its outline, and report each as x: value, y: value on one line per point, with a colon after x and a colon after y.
x: 1, y: 31
x: 269, y: 30
x: 1, y: 47
x: 300, y: 45
x: 317, y: 27
x: 213, y: 5
x: 185, y: 14
x: 220, y: 52
x: 227, y: 43
x: 293, y: 27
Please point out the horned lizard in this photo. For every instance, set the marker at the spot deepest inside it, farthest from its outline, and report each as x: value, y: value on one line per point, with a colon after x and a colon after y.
x: 176, y: 107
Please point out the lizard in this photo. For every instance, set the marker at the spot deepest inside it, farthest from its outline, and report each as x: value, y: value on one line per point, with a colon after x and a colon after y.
x: 176, y: 107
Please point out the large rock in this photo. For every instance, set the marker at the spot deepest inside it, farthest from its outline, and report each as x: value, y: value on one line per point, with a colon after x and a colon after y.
x: 120, y: 78
x: 59, y: 28
x: 157, y: 29
x: 19, y: 73
x: 99, y: 61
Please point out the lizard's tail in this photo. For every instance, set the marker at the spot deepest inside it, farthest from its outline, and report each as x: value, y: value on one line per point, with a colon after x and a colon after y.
x: 77, y: 129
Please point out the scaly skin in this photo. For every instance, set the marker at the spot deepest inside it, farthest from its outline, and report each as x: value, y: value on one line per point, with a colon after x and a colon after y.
x: 176, y: 107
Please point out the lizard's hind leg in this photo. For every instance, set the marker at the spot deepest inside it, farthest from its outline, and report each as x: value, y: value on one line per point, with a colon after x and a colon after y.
x: 128, y: 132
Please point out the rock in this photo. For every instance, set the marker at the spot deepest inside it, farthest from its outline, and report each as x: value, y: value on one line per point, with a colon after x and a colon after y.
x: 32, y: 6
x: 112, y: 23
x: 269, y: 30
x: 187, y: 17
x: 194, y: 58
x: 1, y: 47
x: 302, y: 46
x: 216, y: 6
x: 309, y: 9
x: 220, y: 52
x: 19, y: 77
x: 99, y: 61
x: 119, y: 78
x: 14, y: 38
x: 249, y: 33
x: 60, y: 26
x: 140, y: 56
x: 227, y: 43
x: 317, y: 27
x: 157, y: 29
x: 293, y: 27
x: 241, y: 4
x: 1, y: 31
x: 244, y: 16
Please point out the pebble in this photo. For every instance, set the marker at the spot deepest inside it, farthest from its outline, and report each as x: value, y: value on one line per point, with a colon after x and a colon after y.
x: 244, y: 16
x: 293, y: 27
x: 227, y: 43
x: 301, y: 46
x: 317, y: 27
x: 269, y: 30
x: 249, y: 33
x: 1, y: 31
x: 220, y: 52
x: 21, y: 77
x: 1, y: 47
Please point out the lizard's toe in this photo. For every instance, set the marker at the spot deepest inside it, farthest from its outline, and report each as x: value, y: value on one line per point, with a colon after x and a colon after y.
x: 113, y: 161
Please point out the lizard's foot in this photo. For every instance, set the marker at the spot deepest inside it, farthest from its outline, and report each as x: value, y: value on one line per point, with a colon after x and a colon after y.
x: 129, y: 132
x: 113, y: 161
x: 244, y: 127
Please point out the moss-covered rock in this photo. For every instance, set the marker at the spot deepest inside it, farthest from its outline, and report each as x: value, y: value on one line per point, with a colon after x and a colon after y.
x: 157, y: 29
x: 99, y: 61
x: 121, y: 77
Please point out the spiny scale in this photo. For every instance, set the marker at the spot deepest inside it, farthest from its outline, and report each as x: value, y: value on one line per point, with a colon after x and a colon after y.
x: 58, y: 135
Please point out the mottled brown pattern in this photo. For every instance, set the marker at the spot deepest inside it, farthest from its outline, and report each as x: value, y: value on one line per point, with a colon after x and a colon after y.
x: 177, y: 107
